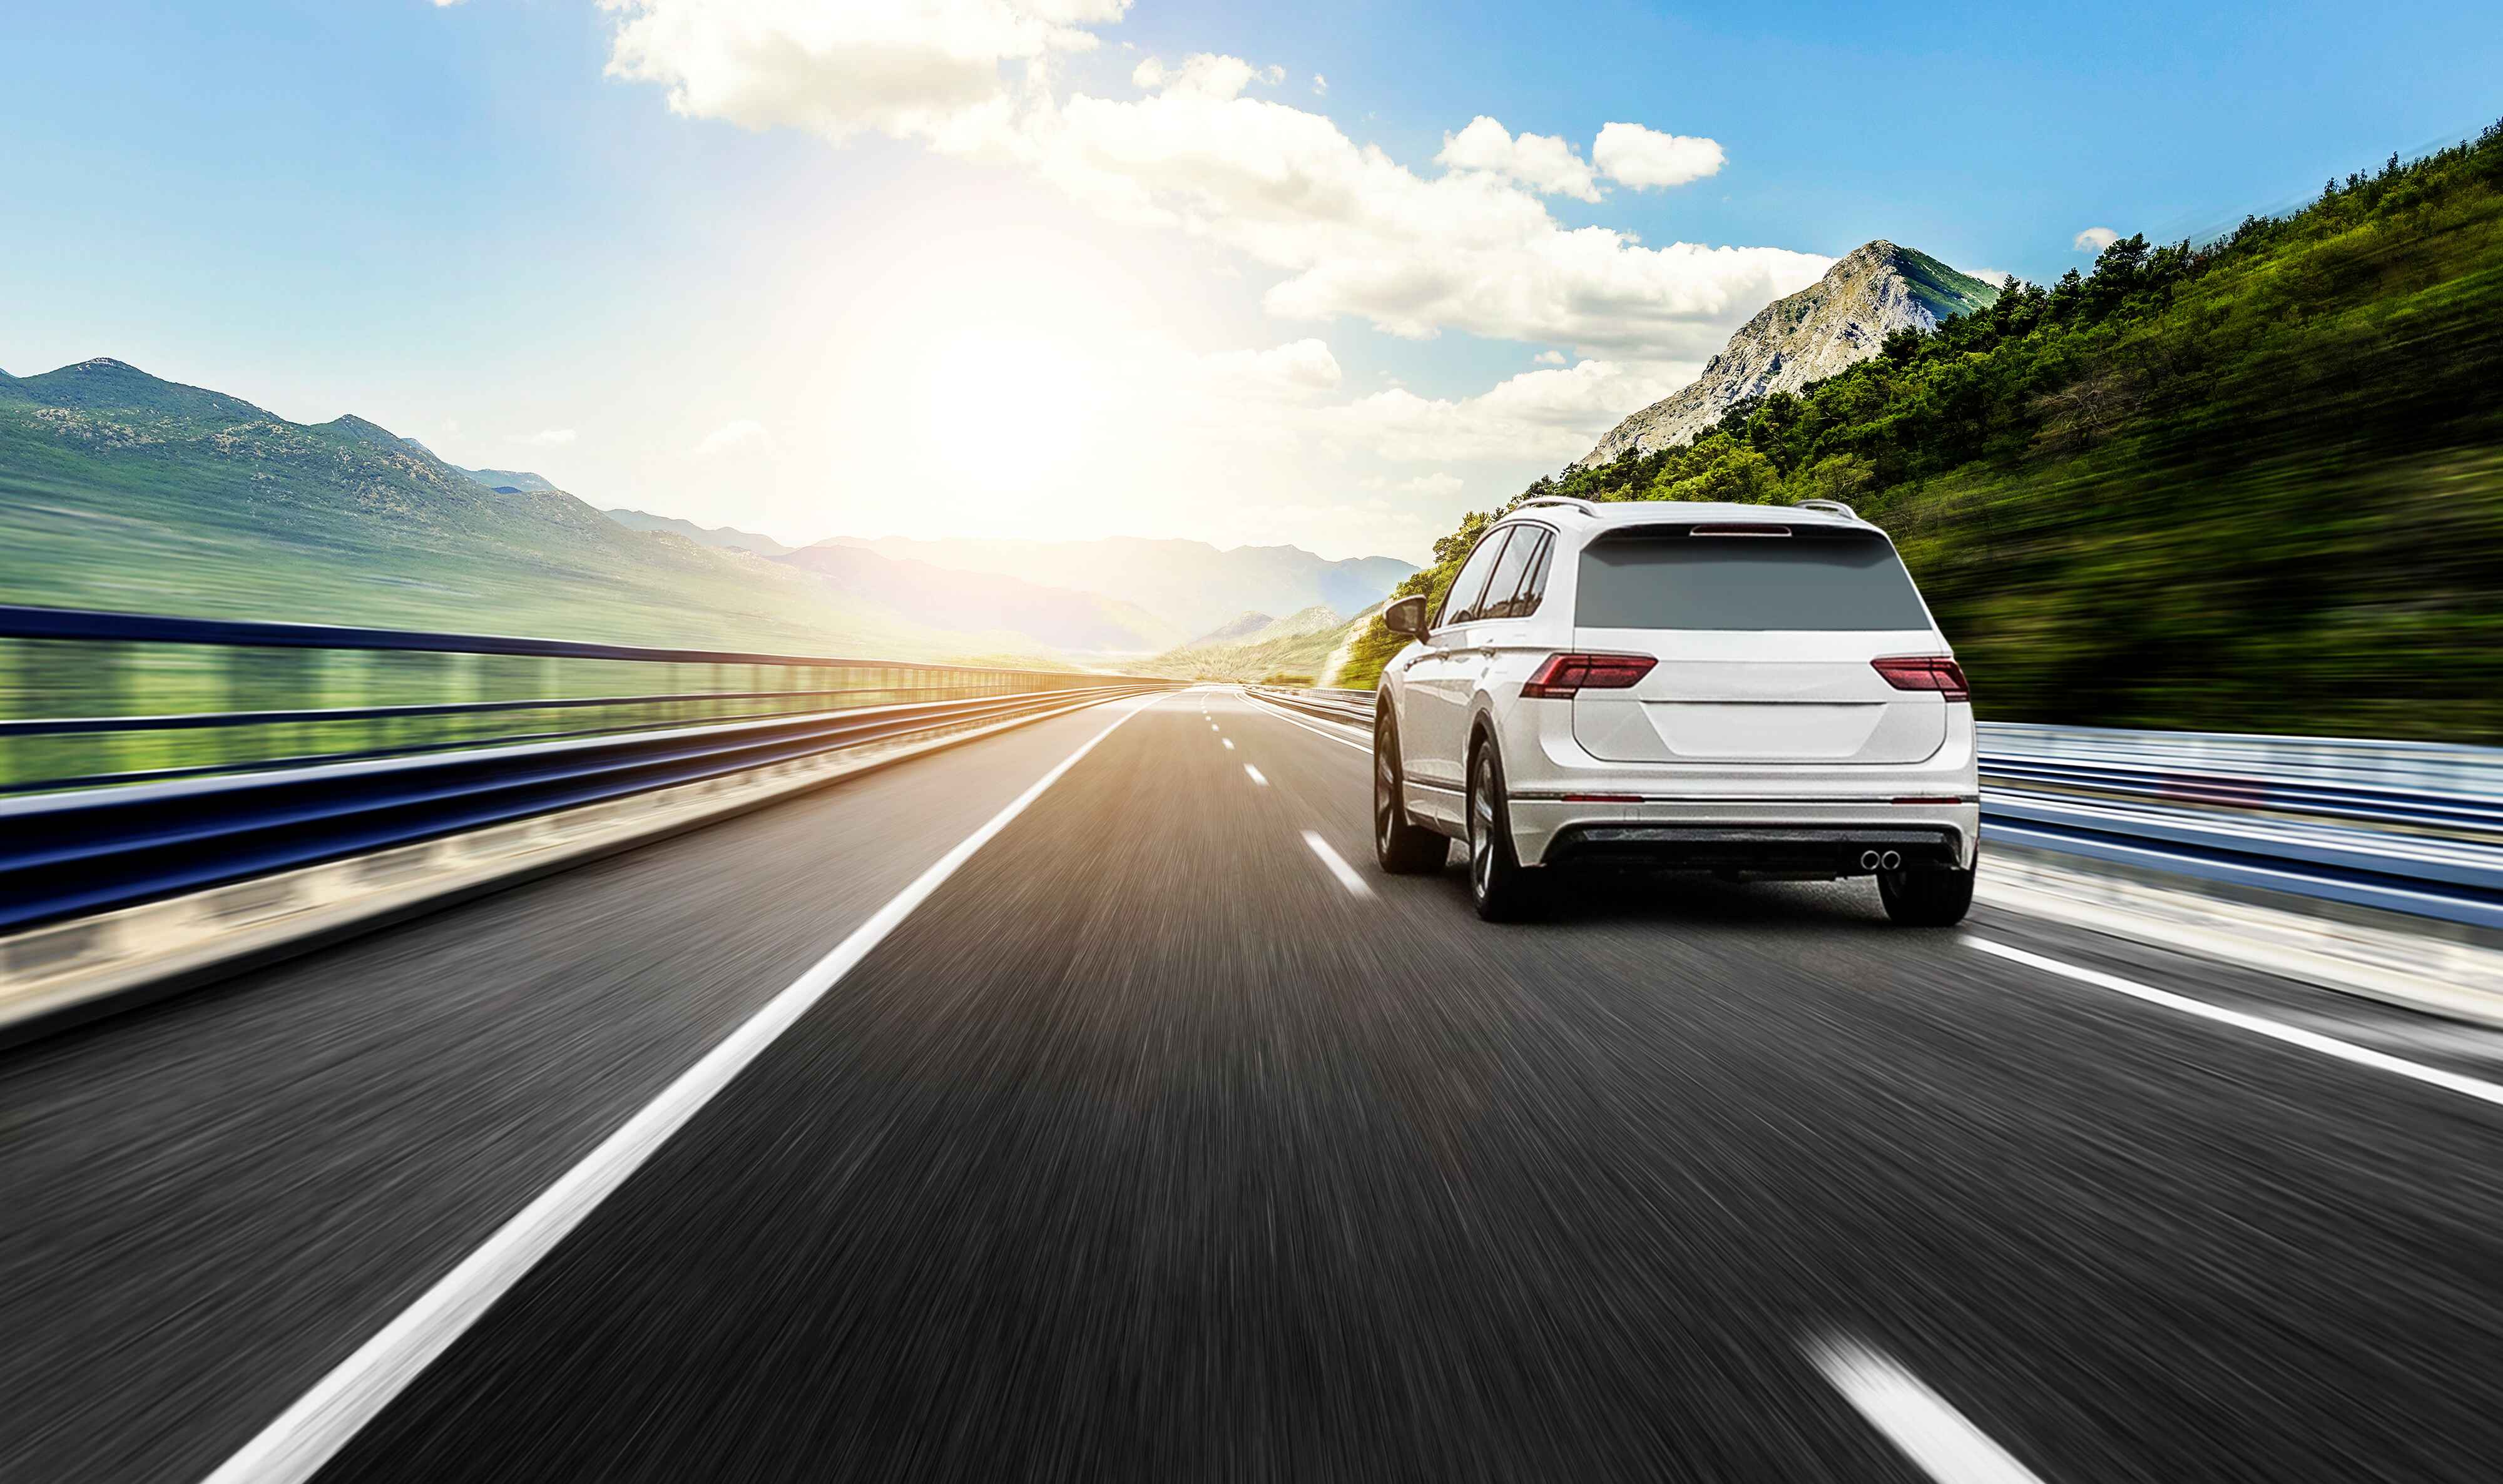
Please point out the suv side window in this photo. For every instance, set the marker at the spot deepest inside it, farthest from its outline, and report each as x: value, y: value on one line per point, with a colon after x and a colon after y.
x: 1502, y: 587
x: 1460, y: 603
x: 1533, y: 584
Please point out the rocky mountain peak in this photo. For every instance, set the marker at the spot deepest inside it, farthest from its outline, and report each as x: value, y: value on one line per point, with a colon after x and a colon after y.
x: 1869, y: 293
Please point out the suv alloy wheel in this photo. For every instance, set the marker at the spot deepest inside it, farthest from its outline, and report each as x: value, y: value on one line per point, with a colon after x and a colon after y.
x: 1400, y: 844
x: 1503, y: 889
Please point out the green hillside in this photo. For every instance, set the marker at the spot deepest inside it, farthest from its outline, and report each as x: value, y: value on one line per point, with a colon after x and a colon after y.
x: 1294, y: 650
x: 121, y: 491
x: 2253, y: 485
x: 1940, y: 289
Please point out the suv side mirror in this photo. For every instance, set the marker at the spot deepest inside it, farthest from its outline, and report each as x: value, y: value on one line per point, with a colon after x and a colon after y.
x: 1407, y: 617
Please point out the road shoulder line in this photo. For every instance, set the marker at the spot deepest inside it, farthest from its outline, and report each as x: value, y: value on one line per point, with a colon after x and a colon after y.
x: 2256, y: 1025
x: 301, y: 1440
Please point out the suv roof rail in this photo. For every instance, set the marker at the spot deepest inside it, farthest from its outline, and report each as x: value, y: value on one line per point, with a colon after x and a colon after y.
x: 1566, y: 500
x: 1836, y: 506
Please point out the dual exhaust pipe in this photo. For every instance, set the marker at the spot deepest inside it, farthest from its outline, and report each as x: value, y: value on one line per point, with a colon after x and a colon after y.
x: 1880, y: 861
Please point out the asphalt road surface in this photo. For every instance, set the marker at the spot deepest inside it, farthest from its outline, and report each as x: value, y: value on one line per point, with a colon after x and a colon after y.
x: 1167, y: 1139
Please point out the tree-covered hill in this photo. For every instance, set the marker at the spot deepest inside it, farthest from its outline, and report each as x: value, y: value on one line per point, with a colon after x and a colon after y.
x: 2251, y: 486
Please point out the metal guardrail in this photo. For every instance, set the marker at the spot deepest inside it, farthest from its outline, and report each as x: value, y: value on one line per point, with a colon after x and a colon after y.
x: 69, y: 854
x: 2405, y: 827
x: 156, y: 756
x: 90, y: 698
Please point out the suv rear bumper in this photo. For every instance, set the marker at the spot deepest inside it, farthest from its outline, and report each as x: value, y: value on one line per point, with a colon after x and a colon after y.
x: 1772, y: 817
x: 1807, y: 837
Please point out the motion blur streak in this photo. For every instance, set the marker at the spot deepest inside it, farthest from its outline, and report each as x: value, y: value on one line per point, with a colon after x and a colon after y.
x: 1144, y: 1150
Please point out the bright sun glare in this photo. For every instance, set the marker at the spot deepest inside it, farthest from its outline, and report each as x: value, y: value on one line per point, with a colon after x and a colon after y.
x: 1010, y: 411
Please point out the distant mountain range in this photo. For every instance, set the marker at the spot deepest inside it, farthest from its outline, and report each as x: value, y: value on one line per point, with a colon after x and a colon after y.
x: 722, y: 537
x: 119, y: 490
x: 1260, y: 628
x: 1085, y: 623
x: 1235, y: 630
x: 1192, y: 585
x: 1296, y: 648
x: 511, y: 480
x: 1871, y: 291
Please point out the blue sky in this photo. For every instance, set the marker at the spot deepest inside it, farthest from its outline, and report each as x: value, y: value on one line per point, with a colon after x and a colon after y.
x: 868, y: 319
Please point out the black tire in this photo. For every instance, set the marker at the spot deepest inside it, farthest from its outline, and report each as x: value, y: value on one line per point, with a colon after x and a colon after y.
x: 1933, y: 897
x: 1503, y: 889
x: 1400, y: 844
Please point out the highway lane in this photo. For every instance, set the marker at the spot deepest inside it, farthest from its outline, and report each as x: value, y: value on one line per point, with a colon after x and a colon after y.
x: 1192, y: 1161
x: 213, y: 1200
x: 1147, y: 1148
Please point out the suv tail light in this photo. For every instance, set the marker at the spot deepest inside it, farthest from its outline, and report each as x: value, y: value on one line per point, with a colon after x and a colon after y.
x: 1560, y: 675
x: 1926, y: 672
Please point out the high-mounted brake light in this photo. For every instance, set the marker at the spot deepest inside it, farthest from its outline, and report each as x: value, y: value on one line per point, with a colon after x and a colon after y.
x: 1739, y: 530
x: 1560, y: 675
x: 1925, y: 672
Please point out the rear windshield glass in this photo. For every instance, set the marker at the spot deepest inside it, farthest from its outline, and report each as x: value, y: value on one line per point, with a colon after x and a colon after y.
x: 1812, y: 580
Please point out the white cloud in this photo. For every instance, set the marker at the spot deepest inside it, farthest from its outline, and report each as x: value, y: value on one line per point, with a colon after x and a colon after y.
x: 1641, y: 157
x: 2093, y: 239
x: 1543, y: 162
x: 1435, y: 485
x: 1357, y: 234
x: 1548, y: 416
x: 742, y: 434
x: 914, y: 69
x: 1551, y: 358
x: 546, y: 437
x: 1321, y: 85
x: 1348, y: 231
x: 1294, y: 370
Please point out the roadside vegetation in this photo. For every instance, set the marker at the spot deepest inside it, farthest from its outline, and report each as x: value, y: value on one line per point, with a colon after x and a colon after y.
x: 2252, y: 486
x: 1295, y: 650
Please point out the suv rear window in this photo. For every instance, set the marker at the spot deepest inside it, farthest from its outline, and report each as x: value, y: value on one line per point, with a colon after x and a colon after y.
x: 1807, y: 580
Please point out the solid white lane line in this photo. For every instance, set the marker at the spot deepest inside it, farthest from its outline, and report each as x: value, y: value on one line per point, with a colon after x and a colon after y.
x: 1252, y: 773
x: 1345, y: 873
x: 1229, y: 743
x: 1914, y: 1418
x: 2308, y: 1040
x: 1315, y: 727
x: 306, y: 1434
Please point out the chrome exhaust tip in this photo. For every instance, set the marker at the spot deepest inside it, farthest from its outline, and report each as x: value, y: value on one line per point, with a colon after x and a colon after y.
x: 1889, y: 860
x: 1868, y: 861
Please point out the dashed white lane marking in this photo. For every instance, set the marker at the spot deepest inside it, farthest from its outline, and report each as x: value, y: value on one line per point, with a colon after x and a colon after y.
x: 323, y: 1420
x: 2308, y: 1040
x: 1229, y: 743
x: 1254, y: 774
x: 1345, y: 873
x: 1315, y: 727
x: 1914, y: 1418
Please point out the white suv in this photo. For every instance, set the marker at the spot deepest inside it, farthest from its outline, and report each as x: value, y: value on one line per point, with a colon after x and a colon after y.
x: 1740, y: 689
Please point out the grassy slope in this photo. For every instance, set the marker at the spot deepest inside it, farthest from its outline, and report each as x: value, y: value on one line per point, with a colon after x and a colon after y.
x: 2255, y: 488
x: 1290, y: 651
x: 118, y: 491
x: 1942, y: 290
